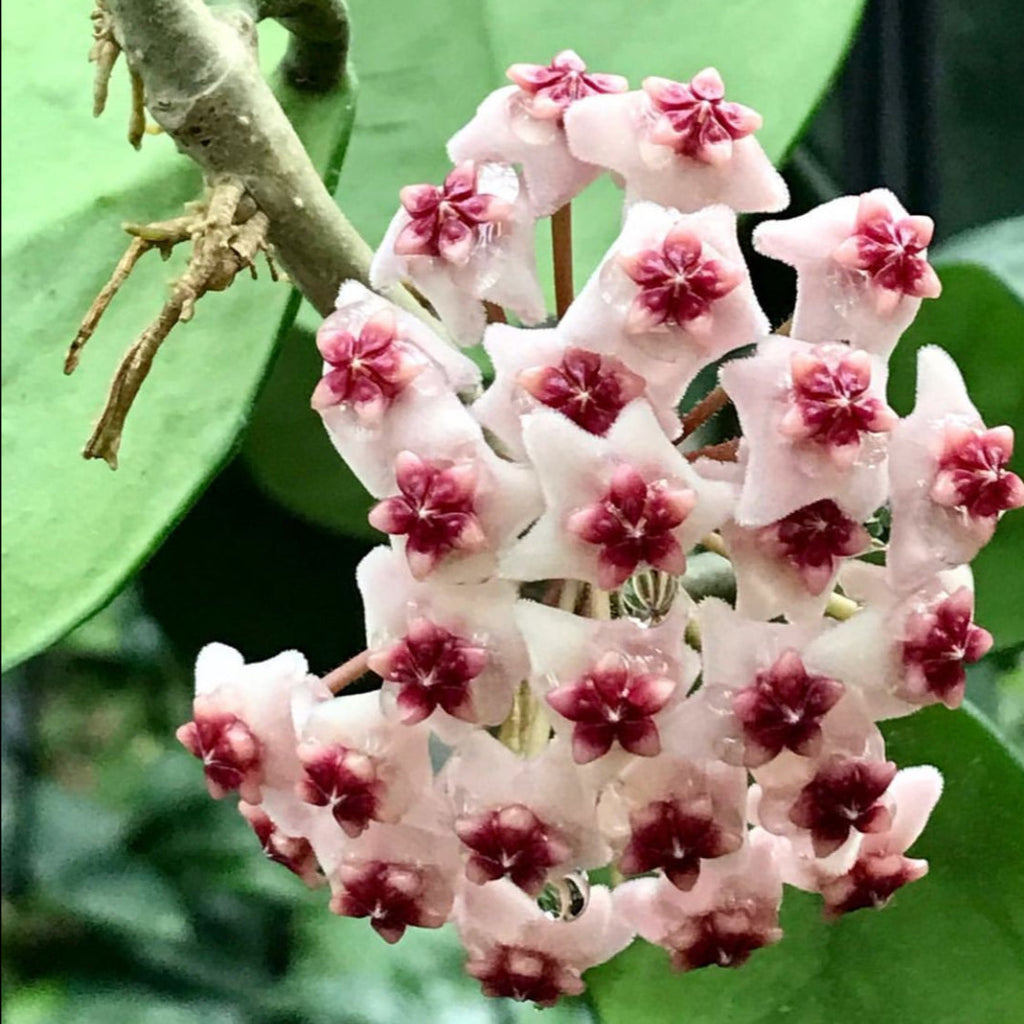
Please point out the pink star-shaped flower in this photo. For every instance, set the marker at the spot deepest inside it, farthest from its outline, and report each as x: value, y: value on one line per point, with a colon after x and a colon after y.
x: 679, y: 144
x: 612, y: 503
x: 789, y: 567
x: 861, y: 265
x: 949, y: 475
x: 815, y: 427
x: 670, y: 296
x: 488, y: 659
x: 523, y: 124
x: 516, y: 951
x: 527, y: 819
x: 611, y: 683
x: 730, y: 912
x: 904, y: 649
x: 468, y: 241
x: 291, y: 852
x: 358, y: 767
x: 242, y: 723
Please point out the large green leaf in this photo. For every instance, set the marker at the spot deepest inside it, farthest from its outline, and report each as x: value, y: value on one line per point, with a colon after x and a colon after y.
x: 949, y: 949
x: 424, y: 68
x: 72, y: 531
x: 979, y: 320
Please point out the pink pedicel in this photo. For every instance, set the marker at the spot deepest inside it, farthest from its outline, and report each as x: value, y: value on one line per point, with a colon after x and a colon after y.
x: 830, y: 404
x: 845, y: 794
x: 783, y: 710
x: 511, y: 842
x: 447, y: 222
x: 588, y: 388
x: 633, y: 525
x: 435, y: 511
x: 938, y: 642
x: 613, y: 702
x: 972, y: 472
x: 679, y: 283
x: 695, y: 119
x: 549, y: 90
x: 433, y: 669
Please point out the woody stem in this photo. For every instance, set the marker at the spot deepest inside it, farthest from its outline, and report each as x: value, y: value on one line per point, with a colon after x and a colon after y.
x: 347, y: 673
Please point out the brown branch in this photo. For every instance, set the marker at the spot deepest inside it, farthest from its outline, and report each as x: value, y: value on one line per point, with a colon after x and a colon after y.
x: 561, y: 251
x: 104, y: 53
x: 347, y: 673
x: 726, y: 451
x: 713, y: 402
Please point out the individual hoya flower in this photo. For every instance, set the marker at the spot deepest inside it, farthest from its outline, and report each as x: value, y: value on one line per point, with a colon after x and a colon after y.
x: 612, y: 504
x: 292, y: 852
x: 902, y: 651
x: 731, y: 911
x: 528, y: 820
x: 829, y: 801
x: 672, y: 814
x: 679, y: 144
x: 789, y: 567
x: 515, y: 950
x: 609, y: 682
x: 387, y: 379
x: 452, y: 647
x: 881, y: 866
x: 672, y: 289
x: 462, y: 243
x: 399, y: 877
x: 761, y: 696
x: 862, y: 268
x: 815, y: 427
x: 457, y: 510
x: 949, y: 474
x: 241, y: 727
x: 523, y: 124
x: 536, y: 368
x: 358, y: 765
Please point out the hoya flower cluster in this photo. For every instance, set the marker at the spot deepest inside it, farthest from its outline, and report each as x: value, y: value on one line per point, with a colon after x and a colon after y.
x: 554, y: 701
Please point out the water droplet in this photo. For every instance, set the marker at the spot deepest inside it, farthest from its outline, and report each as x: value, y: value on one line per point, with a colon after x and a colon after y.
x: 567, y: 898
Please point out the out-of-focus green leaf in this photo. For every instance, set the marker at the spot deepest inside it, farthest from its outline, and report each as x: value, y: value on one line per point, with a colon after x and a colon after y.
x: 423, y: 70
x: 72, y: 531
x: 979, y: 320
x: 949, y: 949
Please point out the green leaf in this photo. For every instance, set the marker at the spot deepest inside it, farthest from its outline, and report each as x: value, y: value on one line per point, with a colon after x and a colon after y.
x: 979, y: 320
x: 949, y: 948
x: 424, y: 68
x: 72, y: 531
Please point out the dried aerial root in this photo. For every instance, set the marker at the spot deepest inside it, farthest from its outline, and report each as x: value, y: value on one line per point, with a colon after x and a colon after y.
x: 227, y: 233
x: 106, y: 48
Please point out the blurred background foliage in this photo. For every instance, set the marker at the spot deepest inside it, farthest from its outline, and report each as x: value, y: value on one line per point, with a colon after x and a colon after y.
x: 127, y: 894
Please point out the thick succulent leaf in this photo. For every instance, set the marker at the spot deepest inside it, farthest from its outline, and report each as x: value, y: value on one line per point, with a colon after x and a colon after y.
x: 979, y: 320
x: 72, y: 531
x: 948, y: 946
